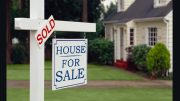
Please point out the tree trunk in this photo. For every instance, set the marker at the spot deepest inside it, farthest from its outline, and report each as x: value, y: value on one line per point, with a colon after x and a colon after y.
x: 85, y: 11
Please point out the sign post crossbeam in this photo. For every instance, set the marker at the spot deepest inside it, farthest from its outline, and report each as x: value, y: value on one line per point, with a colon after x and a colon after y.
x: 70, y: 26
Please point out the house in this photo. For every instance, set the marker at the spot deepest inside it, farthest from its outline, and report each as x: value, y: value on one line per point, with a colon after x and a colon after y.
x: 139, y: 22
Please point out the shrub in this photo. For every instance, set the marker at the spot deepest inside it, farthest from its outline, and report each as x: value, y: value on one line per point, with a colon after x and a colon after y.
x: 101, y: 51
x: 131, y: 64
x: 158, y: 60
x: 19, y: 54
x: 139, y: 54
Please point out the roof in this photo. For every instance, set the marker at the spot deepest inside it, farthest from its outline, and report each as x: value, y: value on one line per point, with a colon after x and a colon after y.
x: 140, y: 9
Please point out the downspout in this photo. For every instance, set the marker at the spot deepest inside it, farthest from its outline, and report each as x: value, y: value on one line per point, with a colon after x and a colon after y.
x: 167, y: 29
x: 167, y: 39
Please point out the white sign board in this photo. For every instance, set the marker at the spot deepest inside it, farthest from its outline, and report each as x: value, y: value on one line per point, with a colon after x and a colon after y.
x: 45, y: 31
x: 69, y: 67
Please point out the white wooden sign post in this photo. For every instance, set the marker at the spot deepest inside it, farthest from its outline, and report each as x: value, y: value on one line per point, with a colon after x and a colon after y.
x: 36, y: 53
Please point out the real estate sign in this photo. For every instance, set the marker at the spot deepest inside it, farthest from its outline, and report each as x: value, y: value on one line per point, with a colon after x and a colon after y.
x: 69, y: 67
x: 45, y: 31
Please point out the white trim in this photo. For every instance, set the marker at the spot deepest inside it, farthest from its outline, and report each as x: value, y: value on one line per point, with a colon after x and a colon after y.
x: 146, y: 36
x: 151, y: 32
x: 157, y: 4
x: 109, y: 22
x: 115, y: 48
x: 167, y: 32
x: 135, y: 20
x: 135, y: 36
x: 148, y: 19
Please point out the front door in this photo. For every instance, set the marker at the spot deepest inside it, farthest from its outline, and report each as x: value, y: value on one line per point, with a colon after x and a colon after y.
x: 121, y: 43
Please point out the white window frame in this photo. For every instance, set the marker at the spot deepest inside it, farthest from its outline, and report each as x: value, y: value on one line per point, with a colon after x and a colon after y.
x: 158, y: 3
x: 152, y: 36
x: 162, y: 1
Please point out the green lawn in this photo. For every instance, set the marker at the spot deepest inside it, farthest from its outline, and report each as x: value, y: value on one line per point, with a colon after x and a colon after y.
x: 95, y: 72
x: 101, y: 94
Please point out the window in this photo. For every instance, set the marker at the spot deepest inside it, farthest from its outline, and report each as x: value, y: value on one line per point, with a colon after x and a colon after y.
x: 159, y: 3
x: 152, y: 36
x: 121, y: 4
x: 162, y: 1
x: 131, y: 36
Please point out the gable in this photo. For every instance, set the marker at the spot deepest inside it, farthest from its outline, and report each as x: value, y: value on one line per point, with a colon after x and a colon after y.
x: 138, y: 10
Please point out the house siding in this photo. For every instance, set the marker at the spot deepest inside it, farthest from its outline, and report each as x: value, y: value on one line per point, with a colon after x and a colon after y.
x: 128, y: 3
x: 109, y: 32
x: 142, y: 31
x: 130, y: 25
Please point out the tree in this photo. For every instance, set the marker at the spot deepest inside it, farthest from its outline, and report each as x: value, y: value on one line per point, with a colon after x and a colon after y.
x: 85, y: 11
x: 95, y: 10
x: 71, y: 10
x: 19, y: 8
x: 110, y: 9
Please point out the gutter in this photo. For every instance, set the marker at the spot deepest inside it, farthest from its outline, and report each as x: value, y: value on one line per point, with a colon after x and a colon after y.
x: 148, y: 19
x: 136, y: 20
x: 167, y: 43
x: 115, y: 21
x: 167, y: 25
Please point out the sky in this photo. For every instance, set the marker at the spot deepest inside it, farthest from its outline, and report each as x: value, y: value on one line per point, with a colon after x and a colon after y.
x: 107, y: 2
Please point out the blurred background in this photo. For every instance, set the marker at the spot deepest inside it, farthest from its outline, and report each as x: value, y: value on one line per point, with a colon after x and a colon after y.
x: 68, y: 10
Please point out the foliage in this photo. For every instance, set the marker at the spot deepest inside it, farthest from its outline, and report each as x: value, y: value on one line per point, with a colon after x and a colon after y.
x: 72, y: 9
x: 139, y: 54
x: 110, y: 10
x: 19, y: 54
x: 17, y: 11
x: 101, y: 51
x: 99, y: 31
x: 158, y: 60
x: 69, y: 10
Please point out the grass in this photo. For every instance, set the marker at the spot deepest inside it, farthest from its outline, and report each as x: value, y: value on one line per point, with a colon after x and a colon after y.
x: 95, y: 72
x: 92, y: 94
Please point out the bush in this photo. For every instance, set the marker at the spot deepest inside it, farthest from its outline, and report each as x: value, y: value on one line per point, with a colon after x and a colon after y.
x: 139, y: 54
x: 131, y: 64
x: 158, y: 60
x: 19, y: 54
x: 101, y: 51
